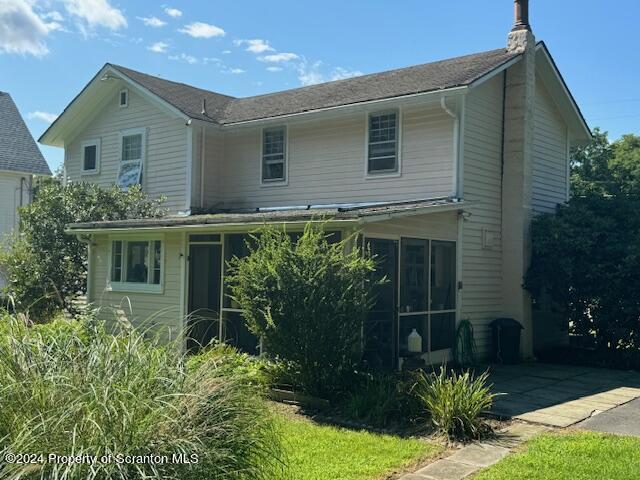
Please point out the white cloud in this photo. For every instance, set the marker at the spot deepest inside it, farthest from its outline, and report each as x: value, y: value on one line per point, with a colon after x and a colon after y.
x: 152, y: 22
x: 274, y: 69
x: 44, y: 116
x: 21, y: 30
x: 158, y: 47
x: 208, y: 60
x: 279, y: 57
x: 340, y: 73
x: 256, y: 45
x: 234, y: 71
x: 190, y: 59
x: 226, y: 52
x: 53, y: 15
x: 202, y: 30
x: 172, y: 12
x: 96, y: 13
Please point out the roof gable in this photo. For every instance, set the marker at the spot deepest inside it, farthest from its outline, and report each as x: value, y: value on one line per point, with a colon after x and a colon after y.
x: 18, y: 150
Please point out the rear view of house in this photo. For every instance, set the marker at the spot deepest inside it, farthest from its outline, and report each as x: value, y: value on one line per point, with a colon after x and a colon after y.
x: 20, y: 162
x: 440, y: 167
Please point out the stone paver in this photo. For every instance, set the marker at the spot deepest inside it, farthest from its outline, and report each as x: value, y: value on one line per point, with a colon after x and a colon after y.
x: 475, y: 456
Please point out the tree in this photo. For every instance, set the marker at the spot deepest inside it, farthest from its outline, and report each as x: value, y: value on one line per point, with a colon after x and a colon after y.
x: 46, y: 268
x: 307, y: 300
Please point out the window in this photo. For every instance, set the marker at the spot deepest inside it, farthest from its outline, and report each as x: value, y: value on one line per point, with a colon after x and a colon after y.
x: 132, y: 153
x: 123, y: 98
x: 90, y: 152
x: 382, y: 144
x: 136, y: 265
x: 274, y: 154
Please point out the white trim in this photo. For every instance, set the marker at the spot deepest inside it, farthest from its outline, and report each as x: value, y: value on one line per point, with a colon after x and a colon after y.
x: 143, y: 153
x: 184, y: 284
x: 456, y: 143
x: 189, y: 180
x: 126, y: 97
x: 495, y: 72
x: 285, y: 169
x: 397, y: 172
x: 568, y: 161
x: 136, y: 287
x: 461, y: 140
x: 203, y: 141
x: 92, y: 142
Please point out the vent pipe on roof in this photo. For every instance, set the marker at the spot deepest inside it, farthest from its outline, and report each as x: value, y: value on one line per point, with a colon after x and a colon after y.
x: 521, y: 15
x: 204, y: 107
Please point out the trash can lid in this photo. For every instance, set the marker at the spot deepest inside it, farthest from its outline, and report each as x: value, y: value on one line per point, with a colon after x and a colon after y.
x: 506, y: 322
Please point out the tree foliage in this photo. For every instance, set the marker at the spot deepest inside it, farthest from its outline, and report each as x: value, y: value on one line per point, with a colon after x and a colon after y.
x: 46, y: 268
x: 307, y: 300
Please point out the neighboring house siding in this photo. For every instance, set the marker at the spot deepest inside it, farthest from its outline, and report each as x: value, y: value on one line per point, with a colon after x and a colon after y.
x: 158, y: 310
x: 326, y: 162
x: 482, y: 262
x: 165, y: 169
x: 550, y: 154
x: 10, y: 200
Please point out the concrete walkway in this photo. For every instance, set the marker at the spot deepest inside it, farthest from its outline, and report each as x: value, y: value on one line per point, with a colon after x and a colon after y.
x: 623, y: 420
x: 473, y: 457
x: 559, y: 395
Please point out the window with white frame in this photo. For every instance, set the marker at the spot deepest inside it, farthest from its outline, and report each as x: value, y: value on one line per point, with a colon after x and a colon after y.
x: 90, y: 153
x: 123, y: 98
x: 132, y: 153
x: 382, y: 144
x: 136, y: 263
x: 274, y: 154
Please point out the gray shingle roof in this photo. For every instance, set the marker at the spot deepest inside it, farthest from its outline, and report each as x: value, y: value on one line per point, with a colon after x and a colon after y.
x: 222, y: 109
x: 18, y: 150
x: 280, y: 215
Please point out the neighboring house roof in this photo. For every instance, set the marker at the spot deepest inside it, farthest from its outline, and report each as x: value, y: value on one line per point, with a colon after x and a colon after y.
x: 18, y: 150
x: 441, y: 75
x: 334, y: 213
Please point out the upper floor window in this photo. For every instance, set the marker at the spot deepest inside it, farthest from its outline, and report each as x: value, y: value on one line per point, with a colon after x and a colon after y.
x: 132, y: 153
x: 382, y: 144
x: 90, y: 154
x: 136, y: 264
x: 123, y: 98
x: 274, y: 154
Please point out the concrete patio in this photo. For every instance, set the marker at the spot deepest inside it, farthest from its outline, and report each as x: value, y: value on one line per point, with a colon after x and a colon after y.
x: 559, y: 395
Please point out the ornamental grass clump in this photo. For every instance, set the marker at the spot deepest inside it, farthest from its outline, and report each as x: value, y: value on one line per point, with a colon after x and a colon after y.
x: 104, y: 396
x: 455, y: 402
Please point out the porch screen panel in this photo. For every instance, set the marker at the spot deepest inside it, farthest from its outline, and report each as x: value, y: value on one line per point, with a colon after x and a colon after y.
x: 414, y: 268
x: 443, y: 276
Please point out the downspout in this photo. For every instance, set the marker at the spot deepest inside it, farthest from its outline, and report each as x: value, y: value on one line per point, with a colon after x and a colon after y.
x: 202, y: 158
x: 86, y: 239
x: 456, y: 141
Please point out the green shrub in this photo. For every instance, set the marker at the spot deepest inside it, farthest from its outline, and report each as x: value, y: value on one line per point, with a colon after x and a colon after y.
x: 307, y: 300
x: 454, y: 402
x: 46, y: 268
x: 98, y: 394
x: 381, y: 399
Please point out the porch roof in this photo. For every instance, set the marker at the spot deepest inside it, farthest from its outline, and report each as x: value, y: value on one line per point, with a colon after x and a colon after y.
x: 353, y: 213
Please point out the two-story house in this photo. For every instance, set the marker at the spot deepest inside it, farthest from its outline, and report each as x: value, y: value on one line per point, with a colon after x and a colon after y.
x: 439, y: 167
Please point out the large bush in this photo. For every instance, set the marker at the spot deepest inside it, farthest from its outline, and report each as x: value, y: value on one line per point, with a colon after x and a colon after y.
x: 46, y: 268
x: 80, y: 391
x: 586, y: 262
x: 307, y: 300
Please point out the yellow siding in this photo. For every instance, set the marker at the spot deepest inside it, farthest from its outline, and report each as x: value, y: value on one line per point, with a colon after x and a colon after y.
x: 165, y: 171
x: 481, y: 264
x: 159, y: 310
x: 550, y: 154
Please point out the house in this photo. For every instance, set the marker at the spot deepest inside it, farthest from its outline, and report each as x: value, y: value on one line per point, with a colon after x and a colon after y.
x: 20, y: 162
x: 440, y: 167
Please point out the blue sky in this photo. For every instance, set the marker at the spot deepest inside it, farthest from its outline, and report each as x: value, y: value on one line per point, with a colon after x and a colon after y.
x: 49, y: 49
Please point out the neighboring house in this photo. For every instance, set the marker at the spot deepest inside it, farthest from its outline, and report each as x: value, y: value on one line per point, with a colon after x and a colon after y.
x: 440, y: 166
x: 20, y: 162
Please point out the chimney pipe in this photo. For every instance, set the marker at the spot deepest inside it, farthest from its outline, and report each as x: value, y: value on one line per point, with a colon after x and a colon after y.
x: 521, y: 15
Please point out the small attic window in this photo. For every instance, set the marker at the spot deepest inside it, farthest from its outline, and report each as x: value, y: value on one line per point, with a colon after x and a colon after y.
x: 123, y: 98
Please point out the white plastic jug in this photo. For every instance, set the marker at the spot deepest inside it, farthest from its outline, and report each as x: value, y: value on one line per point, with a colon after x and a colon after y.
x: 414, y: 341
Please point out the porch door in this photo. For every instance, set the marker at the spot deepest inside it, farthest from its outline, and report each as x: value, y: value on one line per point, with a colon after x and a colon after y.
x: 381, y: 327
x: 205, y: 264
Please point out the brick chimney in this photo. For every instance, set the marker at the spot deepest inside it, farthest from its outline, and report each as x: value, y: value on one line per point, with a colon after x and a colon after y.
x: 520, y: 35
x: 519, y: 98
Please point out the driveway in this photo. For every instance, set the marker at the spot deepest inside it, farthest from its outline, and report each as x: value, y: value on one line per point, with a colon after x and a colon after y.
x: 622, y: 420
x: 560, y: 395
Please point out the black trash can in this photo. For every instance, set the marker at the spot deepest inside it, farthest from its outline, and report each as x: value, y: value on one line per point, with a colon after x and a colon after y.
x: 506, y: 340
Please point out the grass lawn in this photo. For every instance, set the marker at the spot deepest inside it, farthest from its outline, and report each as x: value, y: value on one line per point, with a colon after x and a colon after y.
x: 320, y: 452
x: 575, y: 456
